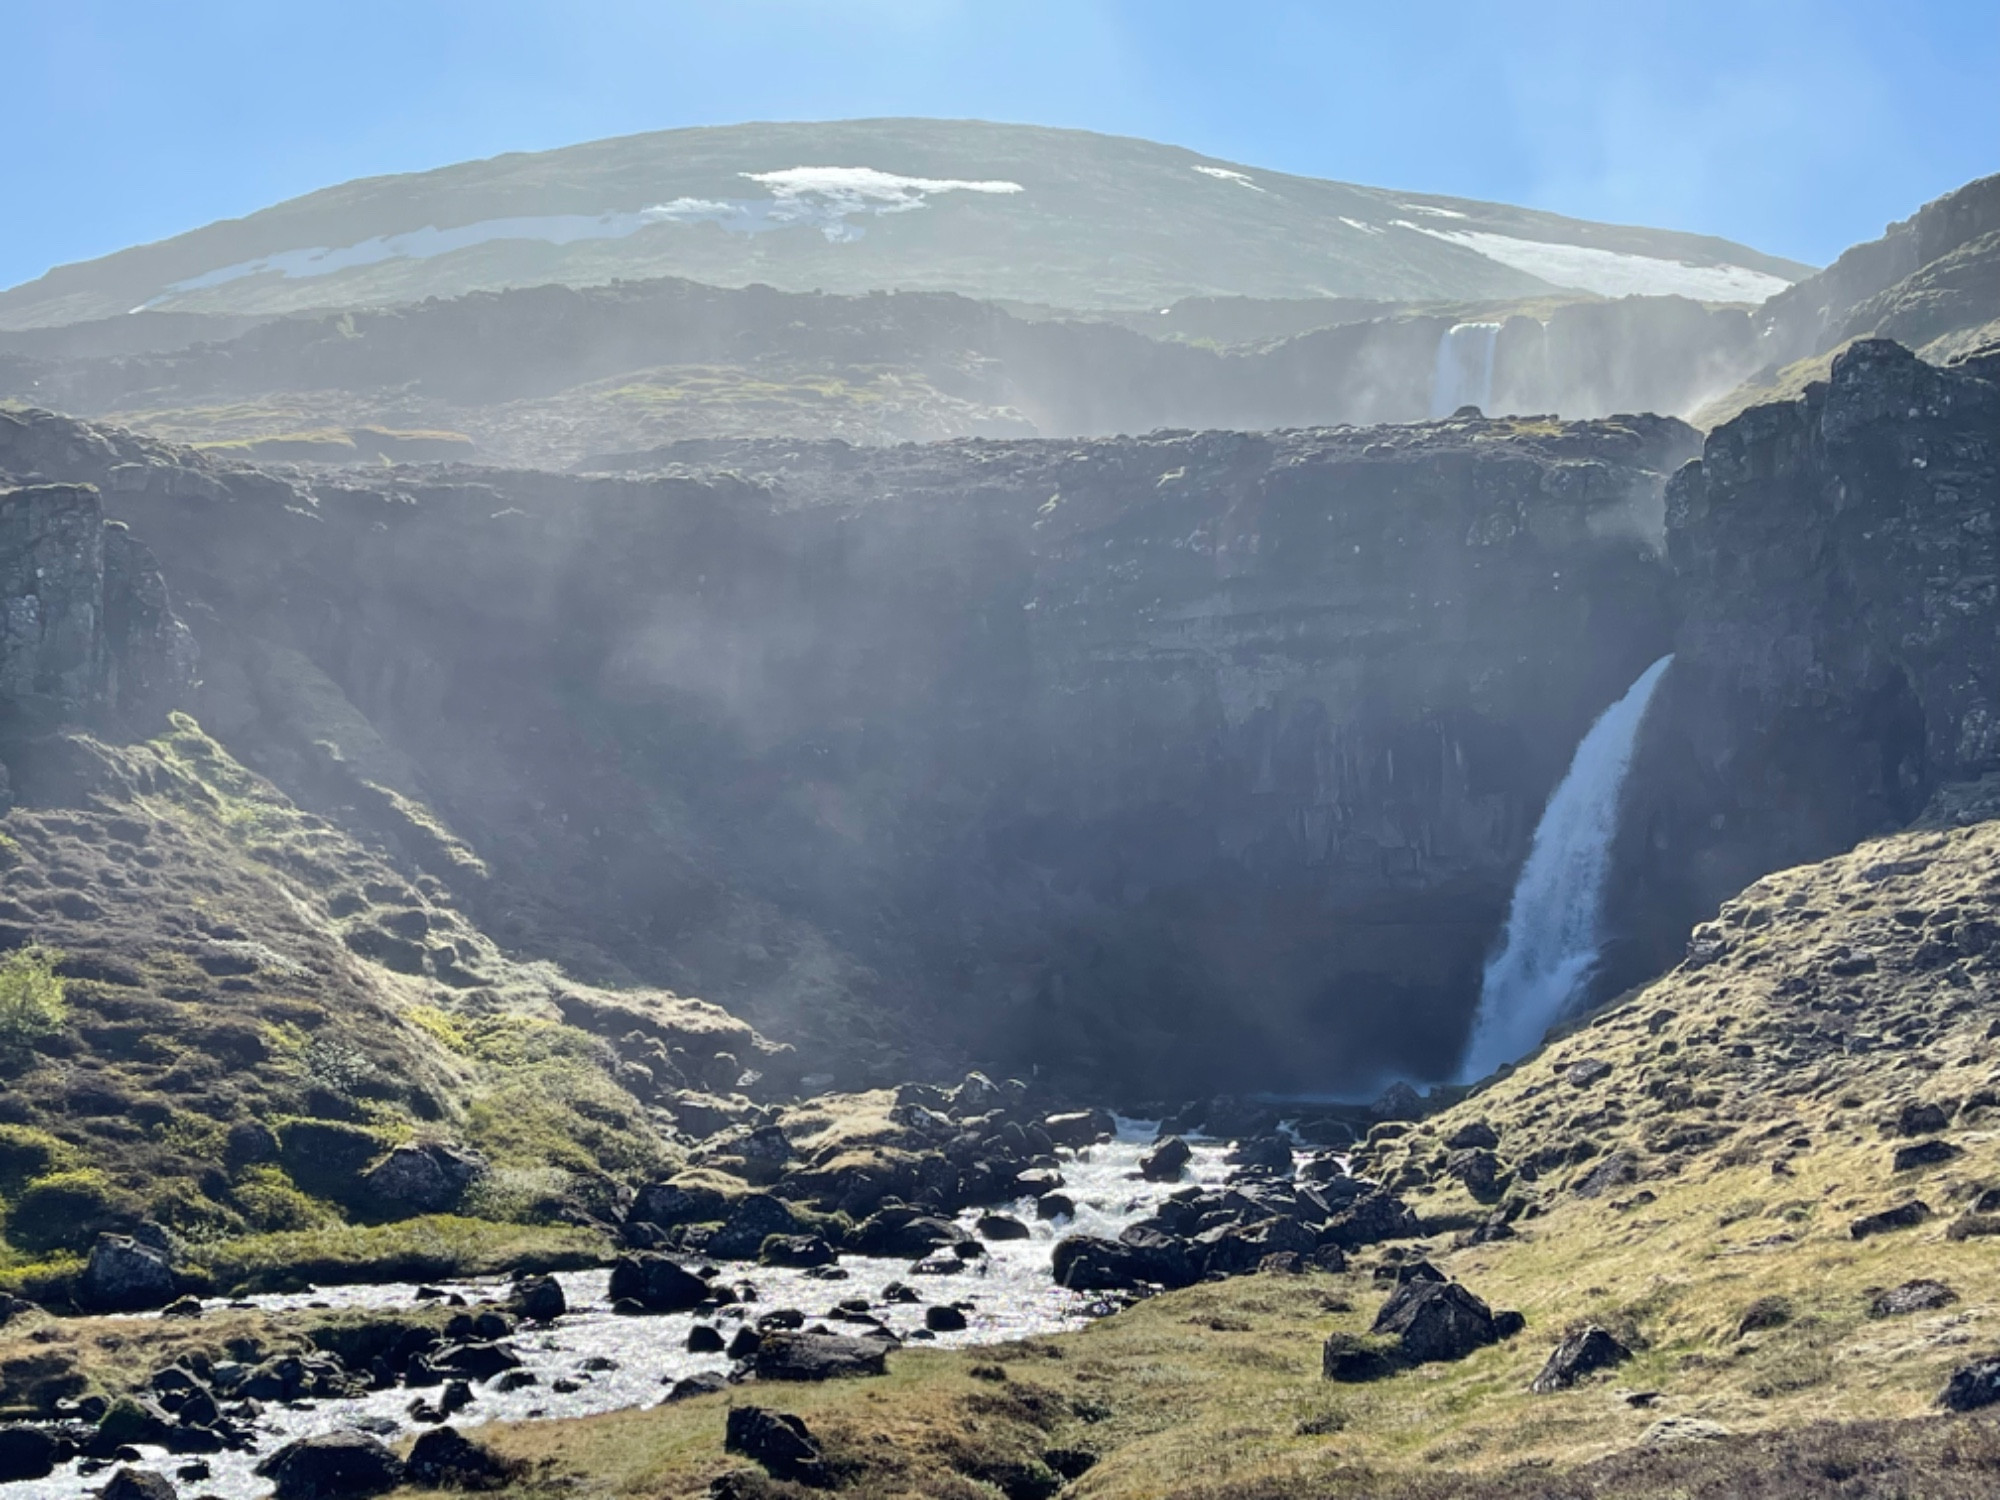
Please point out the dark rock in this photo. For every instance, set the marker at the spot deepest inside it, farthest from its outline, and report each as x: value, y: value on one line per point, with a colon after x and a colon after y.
x: 798, y: 1251
x: 28, y: 1453
x: 1081, y: 1128
x: 1233, y: 1249
x: 1070, y: 1463
x: 902, y: 1232
x: 705, y: 1338
x: 1911, y: 1297
x: 422, y: 1179
x: 776, y: 1441
x: 1166, y: 1161
x: 540, y: 1299
x: 744, y: 1342
x: 1582, y: 1352
x: 476, y: 1361
x: 130, y: 1421
x: 124, y: 1275
x: 445, y: 1459
x: 941, y: 1318
x: 1270, y: 1153
x: 1436, y: 1321
x: 1921, y: 1119
x: 1474, y: 1135
x: 182, y: 1307
x: 138, y: 1484
x: 1055, y: 1206
x: 1001, y: 1227
x: 1972, y: 1386
x: 332, y: 1466
x: 656, y: 1284
x: 1480, y: 1171
x: 1902, y: 1216
x: 1932, y: 1153
x: 1615, y: 1171
x: 817, y: 1356
x: 1370, y: 1219
x: 754, y: 1219
x: 707, y: 1383
x: 667, y: 1205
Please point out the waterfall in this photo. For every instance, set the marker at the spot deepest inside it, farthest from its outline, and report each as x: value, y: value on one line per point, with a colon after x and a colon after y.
x: 1552, y: 935
x: 1463, y: 375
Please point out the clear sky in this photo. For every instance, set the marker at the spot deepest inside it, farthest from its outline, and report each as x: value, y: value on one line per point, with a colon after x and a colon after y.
x: 1797, y: 126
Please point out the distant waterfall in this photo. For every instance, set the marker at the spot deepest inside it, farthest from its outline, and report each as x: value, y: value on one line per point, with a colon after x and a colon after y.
x: 1552, y: 924
x: 1464, y: 372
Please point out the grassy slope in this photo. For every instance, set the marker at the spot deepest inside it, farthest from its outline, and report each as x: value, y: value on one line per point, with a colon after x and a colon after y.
x: 233, y: 962
x: 1749, y: 1092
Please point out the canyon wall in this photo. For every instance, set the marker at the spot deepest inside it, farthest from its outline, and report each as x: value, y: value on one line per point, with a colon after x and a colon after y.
x: 1197, y: 761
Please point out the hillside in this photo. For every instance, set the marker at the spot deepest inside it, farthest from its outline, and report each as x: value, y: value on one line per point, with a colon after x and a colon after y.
x: 1051, y: 217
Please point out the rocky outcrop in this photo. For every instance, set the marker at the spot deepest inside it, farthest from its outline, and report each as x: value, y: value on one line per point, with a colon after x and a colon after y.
x: 1839, y: 643
x: 1170, y: 763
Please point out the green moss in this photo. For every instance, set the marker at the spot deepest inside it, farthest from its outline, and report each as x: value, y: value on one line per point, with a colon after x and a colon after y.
x: 67, y: 1210
x: 565, y: 1115
x: 270, y: 1203
x: 27, y: 1153
x: 31, y: 998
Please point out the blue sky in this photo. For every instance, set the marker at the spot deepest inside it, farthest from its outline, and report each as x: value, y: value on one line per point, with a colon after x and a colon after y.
x: 1795, y: 127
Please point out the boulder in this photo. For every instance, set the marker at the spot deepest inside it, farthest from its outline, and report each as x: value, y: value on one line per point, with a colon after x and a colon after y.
x: 707, y: 1383
x: 1474, y: 1135
x: 1480, y: 1171
x: 705, y: 1338
x: 1139, y: 1257
x: 753, y: 1220
x: 343, y: 1465
x: 124, y: 1275
x: 1001, y: 1227
x: 1972, y: 1386
x: 1581, y: 1353
x: 1269, y: 1153
x: 656, y: 1284
x: 797, y: 1251
x: 902, y: 1232
x: 943, y: 1318
x: 539, y: 1299
x: 776, y: 1441
x: 422, y: 1179
x: 1436, y: 1321
x: 477, y: 1361
x: 1902, y: 1216
x: 446, y: 1459
x: 1055, y: 1206
x: 1368, y: 1220
x: 817, y: 1356
x: 1080, y: 1128
x: 1166, y: 1161
x: 1233, y: 1249
x: 1911, y: 1297
x: 29, y: 1453
x: 667, y: 1204
x: 1931, y: 1153
x: 138, y: 1484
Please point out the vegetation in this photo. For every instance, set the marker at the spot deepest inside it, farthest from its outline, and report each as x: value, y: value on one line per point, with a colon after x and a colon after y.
x: 31, y: 998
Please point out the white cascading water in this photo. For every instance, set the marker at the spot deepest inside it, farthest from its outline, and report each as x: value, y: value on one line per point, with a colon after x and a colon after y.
x: 1552, y: 936
x: 1463, y: 375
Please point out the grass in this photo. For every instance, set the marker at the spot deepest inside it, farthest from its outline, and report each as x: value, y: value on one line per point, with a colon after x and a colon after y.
x: 420, y: 1249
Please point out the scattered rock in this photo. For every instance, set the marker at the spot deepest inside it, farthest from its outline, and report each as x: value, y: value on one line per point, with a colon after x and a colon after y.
x: 1353, y: 1359
x: 1583, y: 1073
x: 707, y: 1383
x: 754, y: 1219
x: 653, y: 1283
x: 138, y: 1484
x: 1581, y: 1353
x: 1166, y: 1161
x: 29, y: 1453
x: 540, y: 1299
x: 1972, y: 1386
x: 1931, y: 1153
x: 1055, y: 1206
x: 1001, y: 1227
x: 817, y: 1356
x: 332, y: 1466
x: 1921, y: 1119
x: 704, y: 1338
x: 778, y: 1442
x: 1902, y: 1216
x: 1436, y: 1321
x: 124, y: 1275
x: 1474, y: 1135
x: 1669, y: 1432
x: 422, y: 1179
x: 1615, y: 1171
x: 943, y: 1318
x: 799, y: 1252
x: 1481, y: 1172
x: 1911, y: 1297
x: 445, y: 1459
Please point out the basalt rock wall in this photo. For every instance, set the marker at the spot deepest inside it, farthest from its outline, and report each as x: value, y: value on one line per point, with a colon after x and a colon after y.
x: 1190, y: 762
x: 1839, y: 653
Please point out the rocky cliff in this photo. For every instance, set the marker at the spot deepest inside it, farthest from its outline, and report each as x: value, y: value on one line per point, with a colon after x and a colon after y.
x: 1183, y: 762
x: 1836, y: 664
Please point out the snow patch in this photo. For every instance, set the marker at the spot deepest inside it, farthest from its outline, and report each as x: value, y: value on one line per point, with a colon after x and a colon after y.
x: 825, y: 198
x: 1363, y: 226
x: 1612, y: 273
x: 1225, y: 175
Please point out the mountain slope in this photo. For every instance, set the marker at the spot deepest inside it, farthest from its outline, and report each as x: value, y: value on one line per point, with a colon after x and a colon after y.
x: 1055, y: 217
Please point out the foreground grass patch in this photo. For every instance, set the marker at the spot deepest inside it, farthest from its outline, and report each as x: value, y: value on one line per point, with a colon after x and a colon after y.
x: 423, y: 1249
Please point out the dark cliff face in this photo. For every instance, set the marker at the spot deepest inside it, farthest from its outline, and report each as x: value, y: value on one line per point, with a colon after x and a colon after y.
x: 1187, y: 762
x: 86, y: 629
x: 1839, y: 655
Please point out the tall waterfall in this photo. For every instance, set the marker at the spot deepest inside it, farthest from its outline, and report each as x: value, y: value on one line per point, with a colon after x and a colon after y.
x: 1463, y: 375
x: 1552, y: 925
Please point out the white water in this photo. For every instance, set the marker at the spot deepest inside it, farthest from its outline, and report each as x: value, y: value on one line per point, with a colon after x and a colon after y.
x: 1552, y: 925
x: 1464, y: 372
x: 1009, y: 1295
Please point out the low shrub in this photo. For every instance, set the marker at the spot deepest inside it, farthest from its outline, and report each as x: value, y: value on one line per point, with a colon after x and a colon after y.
x: 67, y: 1211
x: 31, y: 998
